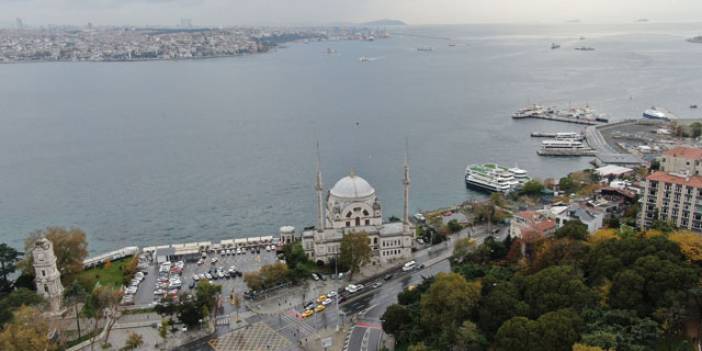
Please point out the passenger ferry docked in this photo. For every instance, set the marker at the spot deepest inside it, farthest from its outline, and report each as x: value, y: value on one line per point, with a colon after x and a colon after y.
x: 495, y: 178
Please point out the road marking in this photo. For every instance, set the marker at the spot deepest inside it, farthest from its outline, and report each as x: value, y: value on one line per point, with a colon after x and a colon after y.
x: 367, y: 325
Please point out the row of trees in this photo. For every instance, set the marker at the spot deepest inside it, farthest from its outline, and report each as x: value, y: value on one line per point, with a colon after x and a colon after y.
x: 617, y: 289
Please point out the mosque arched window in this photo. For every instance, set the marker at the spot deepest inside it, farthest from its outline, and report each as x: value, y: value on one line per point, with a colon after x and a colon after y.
x: 365, y: 212
x: 358, y: 221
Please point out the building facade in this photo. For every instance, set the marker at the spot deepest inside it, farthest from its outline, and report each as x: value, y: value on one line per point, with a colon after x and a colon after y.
x: 46, y: 275
x: 352, y: 206
x: 672, y: 198
x: 682, y: 160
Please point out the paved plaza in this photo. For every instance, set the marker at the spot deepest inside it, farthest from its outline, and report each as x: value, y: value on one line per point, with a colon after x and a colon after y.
x: 257, y: 337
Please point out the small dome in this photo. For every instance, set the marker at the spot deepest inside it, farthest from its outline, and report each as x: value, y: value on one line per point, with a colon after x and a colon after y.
x: 352, y: 187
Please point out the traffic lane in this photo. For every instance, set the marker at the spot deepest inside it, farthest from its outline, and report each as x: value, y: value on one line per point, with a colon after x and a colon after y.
x: 356, y: 339
x: 386, y: 294
x: 374, y: 339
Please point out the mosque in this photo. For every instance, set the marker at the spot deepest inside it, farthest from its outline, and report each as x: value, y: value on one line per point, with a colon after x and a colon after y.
x: 352, y: 206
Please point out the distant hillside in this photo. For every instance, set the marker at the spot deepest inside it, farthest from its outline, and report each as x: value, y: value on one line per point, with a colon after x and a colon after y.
x: 385, y: 22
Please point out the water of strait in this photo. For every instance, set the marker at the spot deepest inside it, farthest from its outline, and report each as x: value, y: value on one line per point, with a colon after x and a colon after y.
x: 161, y: 152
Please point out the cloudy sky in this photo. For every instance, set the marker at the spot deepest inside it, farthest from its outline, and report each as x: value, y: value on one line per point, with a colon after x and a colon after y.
x: 249, y: 12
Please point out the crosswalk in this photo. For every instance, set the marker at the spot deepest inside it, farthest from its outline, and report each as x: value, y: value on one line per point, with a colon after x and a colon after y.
x: 302, y: 325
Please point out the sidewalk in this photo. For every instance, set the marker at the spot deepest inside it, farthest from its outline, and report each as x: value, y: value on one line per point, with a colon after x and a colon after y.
x: 288, y: 298
x: 314, y: 343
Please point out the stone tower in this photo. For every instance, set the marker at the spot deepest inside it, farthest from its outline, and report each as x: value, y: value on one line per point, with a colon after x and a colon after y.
x: 47, y: 276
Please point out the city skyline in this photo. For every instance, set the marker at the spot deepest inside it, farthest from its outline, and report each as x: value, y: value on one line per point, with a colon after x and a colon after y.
x: 317, y: 12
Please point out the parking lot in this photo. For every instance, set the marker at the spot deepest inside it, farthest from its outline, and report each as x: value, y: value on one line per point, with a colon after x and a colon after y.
x: 247, y: 261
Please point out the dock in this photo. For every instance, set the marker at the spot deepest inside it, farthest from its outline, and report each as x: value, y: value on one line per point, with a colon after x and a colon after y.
x: 567, y: 153
x: 588, y: 122
x: 605, y: 153
x: 564, y: 135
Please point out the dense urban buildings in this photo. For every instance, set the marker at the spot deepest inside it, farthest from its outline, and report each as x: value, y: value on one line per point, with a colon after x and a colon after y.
x: 136, y: 44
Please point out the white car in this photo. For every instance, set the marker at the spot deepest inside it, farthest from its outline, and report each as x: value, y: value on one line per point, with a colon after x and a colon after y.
x: 351, y: 288
x: 327, y: 302
x: 331, y: 293
x: 214, y: 260
x: 196, y: 277
x: 238, y: 251
x: 208, y: 276
x: 139, y: 275
x: 200, y: 261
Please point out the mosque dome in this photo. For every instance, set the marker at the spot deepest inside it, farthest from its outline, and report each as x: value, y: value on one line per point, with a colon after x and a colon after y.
x: 352, y: 187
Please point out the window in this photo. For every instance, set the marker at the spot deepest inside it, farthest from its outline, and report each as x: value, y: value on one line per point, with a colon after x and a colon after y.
x: 365, y: 212
x: 367, y: 221
x: 43, y: 273
x: 348, y: 215
x: 348, y: 224
x: 358, y: 221
x: 46, y: 289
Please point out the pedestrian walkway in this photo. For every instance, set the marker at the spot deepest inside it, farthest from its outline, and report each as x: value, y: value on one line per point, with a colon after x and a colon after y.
x: 257, y: 337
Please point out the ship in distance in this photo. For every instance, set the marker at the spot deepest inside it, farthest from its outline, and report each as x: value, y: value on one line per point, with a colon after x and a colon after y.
x: 492, y: 177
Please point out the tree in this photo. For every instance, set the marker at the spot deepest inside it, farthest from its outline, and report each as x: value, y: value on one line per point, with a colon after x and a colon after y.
x: 236, y: 303
x: 627, y: 291
x: 395, y: 319
x: 449, y: 301
x: 603, y: 234
x: 500, y: 304
x: 583, y: 347
x: 355, y: 251
x: 557, y: 287
x: 469, y: 338
x: 532, y: 188
x: 518, y: 334
x: 253, y: 280
x: 294, y: 254
x: 559, y: 330
x: 70, y: 248
x: 567, y: 185
x: 453, y: 226
x: 690, y: 244
x: 103, y: 302
x: 134, y: 341
x: 558, y: 252
x: 573, y: 229
x: 207, y: 294
x: 418, y: 347
x: 73, y: 295
x: 8, y: 259
x: 696, y: 129
x: 28, y: 331
x: 15, y: 299
x: 462, y: 247
x: 619, y: 330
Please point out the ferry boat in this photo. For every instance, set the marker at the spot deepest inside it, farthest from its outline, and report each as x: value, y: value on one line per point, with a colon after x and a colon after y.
x: 555, y: 46
x: 495, y: 178
x: 364, y: 59
x: 564, y: 147
x: 655, y: 114
x: 425, y: 49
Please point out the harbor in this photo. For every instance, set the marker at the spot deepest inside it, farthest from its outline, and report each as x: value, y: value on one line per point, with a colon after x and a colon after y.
x: 578, y: 115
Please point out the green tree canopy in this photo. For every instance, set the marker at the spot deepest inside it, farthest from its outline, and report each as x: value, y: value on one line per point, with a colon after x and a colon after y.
x: 355, y: 251
x: 573, y: 229
x: 557, y: 287
x: 449, y: 301
x: 8, y: 260
x: 532, y: 188
x: 501, y: 303
x: 70, y: 248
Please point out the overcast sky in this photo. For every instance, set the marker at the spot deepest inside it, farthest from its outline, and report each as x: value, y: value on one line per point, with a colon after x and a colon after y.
x: 300, y: 12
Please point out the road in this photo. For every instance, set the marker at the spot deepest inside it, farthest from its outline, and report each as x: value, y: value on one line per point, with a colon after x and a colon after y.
x: 367, y: 333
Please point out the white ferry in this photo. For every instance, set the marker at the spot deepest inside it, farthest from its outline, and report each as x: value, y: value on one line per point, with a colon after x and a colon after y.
x: 655, y: 114
x: 495, y: 178
x: 564, y: 147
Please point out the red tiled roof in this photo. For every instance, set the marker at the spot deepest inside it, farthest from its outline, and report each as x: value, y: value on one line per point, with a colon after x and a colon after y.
x: 690, y: 153
x: 693, y: 181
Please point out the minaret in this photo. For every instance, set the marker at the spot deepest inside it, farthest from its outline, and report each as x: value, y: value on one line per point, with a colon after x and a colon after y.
x: 406, y: 183
x: 320, y: 194
x: 46, y: 275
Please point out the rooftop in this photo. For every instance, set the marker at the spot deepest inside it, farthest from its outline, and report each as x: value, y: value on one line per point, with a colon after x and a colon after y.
x: 690, y: 153
x: 693, y: 181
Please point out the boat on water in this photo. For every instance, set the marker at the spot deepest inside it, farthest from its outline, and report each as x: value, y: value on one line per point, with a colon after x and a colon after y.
x: 425, y: 49
x: 655, y: 114
x: 693, y: 106
x: 564, y: 147
x: 364, y: 59
x: 492, y: 177
x: 331, y: 51
x: 555, y: 46
x: 585, y: 48
x: 451, y: 44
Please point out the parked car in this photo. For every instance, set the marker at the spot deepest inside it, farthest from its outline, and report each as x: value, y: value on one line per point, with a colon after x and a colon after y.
x: 319, y: 308
x: 214, y: 260
x: 376, y: 284
x: 310, y: 306
x: 307, y: 313
x: 388, y: 276
x: 315, y: 276
x: 327, y: 302
x: 332, y: 293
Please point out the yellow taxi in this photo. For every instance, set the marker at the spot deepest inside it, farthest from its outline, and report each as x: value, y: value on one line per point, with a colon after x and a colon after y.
x: 307, y: 313
x: 321, y: 298
x: 319, y: 308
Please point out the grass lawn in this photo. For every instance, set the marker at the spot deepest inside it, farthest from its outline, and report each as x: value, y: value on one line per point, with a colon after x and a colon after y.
x: 105, y: 276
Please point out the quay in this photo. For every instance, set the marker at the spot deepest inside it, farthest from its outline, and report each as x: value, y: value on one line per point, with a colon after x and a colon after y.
x: 566, y: 152
x: 560, y: 119
x: 558, y: 135
x: 606, y: 154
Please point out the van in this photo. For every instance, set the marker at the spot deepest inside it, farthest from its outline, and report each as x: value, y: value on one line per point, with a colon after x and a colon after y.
x: 409, y: 266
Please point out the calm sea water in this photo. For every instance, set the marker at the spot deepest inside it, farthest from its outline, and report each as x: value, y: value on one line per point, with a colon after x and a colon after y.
x: 159, y: 152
